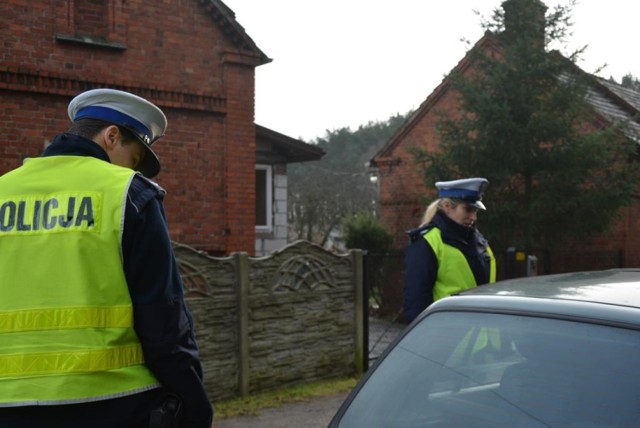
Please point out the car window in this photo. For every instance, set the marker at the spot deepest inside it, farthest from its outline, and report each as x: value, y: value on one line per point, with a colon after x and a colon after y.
x: 464, y: 369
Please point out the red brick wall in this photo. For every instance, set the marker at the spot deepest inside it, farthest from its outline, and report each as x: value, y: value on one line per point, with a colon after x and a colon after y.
x: 620, y: 247
x: 240, y: 135
x: 404, y: 195
x: 176, y: 56
x: 28, y: 122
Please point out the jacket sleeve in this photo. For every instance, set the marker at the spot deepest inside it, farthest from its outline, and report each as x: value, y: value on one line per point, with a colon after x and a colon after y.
x: 161, y: 318
x: 420, y: 271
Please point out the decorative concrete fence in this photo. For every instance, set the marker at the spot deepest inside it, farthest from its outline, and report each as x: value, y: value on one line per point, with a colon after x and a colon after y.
x: 263, y: 323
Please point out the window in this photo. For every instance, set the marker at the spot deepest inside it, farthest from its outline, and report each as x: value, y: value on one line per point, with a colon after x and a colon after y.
x: 263, y: 197
x: 466, y: 369
x: 90, y: 18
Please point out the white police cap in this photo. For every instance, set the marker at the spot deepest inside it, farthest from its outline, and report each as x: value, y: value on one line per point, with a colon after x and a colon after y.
x: 468, y: 190
x: 145, y: 120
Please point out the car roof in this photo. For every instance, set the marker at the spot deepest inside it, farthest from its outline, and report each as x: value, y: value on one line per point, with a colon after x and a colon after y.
x: 609, y: 295
x: 614, y: 287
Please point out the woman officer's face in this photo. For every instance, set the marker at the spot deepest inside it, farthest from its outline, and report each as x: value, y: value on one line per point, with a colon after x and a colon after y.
x: 461, y: 213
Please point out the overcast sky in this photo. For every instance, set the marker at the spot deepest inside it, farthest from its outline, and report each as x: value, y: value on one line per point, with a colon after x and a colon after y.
x: 344, y: 63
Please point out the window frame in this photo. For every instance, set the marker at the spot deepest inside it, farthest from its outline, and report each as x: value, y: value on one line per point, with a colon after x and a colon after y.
x: 268, y: 169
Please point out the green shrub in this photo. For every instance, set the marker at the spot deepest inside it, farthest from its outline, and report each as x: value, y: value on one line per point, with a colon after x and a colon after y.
x: 363, y: 231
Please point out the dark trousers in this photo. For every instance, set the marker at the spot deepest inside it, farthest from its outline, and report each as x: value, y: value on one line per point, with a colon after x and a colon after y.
x: 126, y: 412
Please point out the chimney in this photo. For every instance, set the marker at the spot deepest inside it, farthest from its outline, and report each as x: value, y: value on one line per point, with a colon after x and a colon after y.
x: 525, y: 20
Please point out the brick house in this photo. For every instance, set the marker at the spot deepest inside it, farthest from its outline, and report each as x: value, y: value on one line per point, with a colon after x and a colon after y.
x: 191, y: 58
x: 401, y: 181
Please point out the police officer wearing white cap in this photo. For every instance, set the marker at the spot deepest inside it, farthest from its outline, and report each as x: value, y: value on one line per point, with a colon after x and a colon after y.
x: 97, y: 331
x: 447, y: 253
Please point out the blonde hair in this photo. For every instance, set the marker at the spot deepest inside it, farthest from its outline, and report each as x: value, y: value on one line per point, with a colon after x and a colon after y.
x: 433, y: 208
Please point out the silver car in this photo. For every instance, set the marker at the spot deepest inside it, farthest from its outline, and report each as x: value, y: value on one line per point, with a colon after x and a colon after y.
x: 548, y: 351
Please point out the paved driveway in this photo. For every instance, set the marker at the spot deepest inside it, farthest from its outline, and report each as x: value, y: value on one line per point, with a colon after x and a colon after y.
x: 315, y: 413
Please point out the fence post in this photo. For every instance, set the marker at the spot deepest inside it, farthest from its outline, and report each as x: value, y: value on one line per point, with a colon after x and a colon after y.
x: 358, y: 287
x: 366, y: 286
x: 241, y: 262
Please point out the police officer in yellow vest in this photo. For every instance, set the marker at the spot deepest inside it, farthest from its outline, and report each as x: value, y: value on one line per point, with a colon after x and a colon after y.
x: 94, y: 331
x: 447, y: 253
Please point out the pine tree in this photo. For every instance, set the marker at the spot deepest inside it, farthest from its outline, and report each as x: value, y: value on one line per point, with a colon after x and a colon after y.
x: 522, y: 122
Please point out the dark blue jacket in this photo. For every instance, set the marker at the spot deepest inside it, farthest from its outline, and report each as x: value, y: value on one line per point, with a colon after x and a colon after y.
x: 421, y: 263
x: 161, y: 319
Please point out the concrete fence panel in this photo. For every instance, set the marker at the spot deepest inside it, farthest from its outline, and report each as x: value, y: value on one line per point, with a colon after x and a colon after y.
x: 267, y: 322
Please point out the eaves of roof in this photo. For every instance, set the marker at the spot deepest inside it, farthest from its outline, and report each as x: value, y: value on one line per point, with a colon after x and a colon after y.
x: 226, y: 19
x: 291, y: 149
x: 612, y: 102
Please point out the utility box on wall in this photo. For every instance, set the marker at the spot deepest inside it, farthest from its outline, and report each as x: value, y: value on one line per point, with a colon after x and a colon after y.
x: 531, y: 265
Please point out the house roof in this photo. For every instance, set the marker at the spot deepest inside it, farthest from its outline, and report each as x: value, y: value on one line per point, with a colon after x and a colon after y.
x: 610, y: 100
x: 617, y: 104
x: 226, y: 19
x: 290, y: 149
x: 629, y: 95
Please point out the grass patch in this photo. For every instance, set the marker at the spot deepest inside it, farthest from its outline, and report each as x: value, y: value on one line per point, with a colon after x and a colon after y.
x: 253, y: 404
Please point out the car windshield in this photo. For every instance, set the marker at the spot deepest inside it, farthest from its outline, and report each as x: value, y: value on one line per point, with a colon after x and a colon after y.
x: 465, y: 369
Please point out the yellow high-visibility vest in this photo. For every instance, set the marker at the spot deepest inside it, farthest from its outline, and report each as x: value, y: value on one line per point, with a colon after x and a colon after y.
x: 66, y: 317
x: 454, y: 273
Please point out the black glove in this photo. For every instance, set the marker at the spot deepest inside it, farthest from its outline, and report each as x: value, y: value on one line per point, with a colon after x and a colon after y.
x: 169, y: 413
